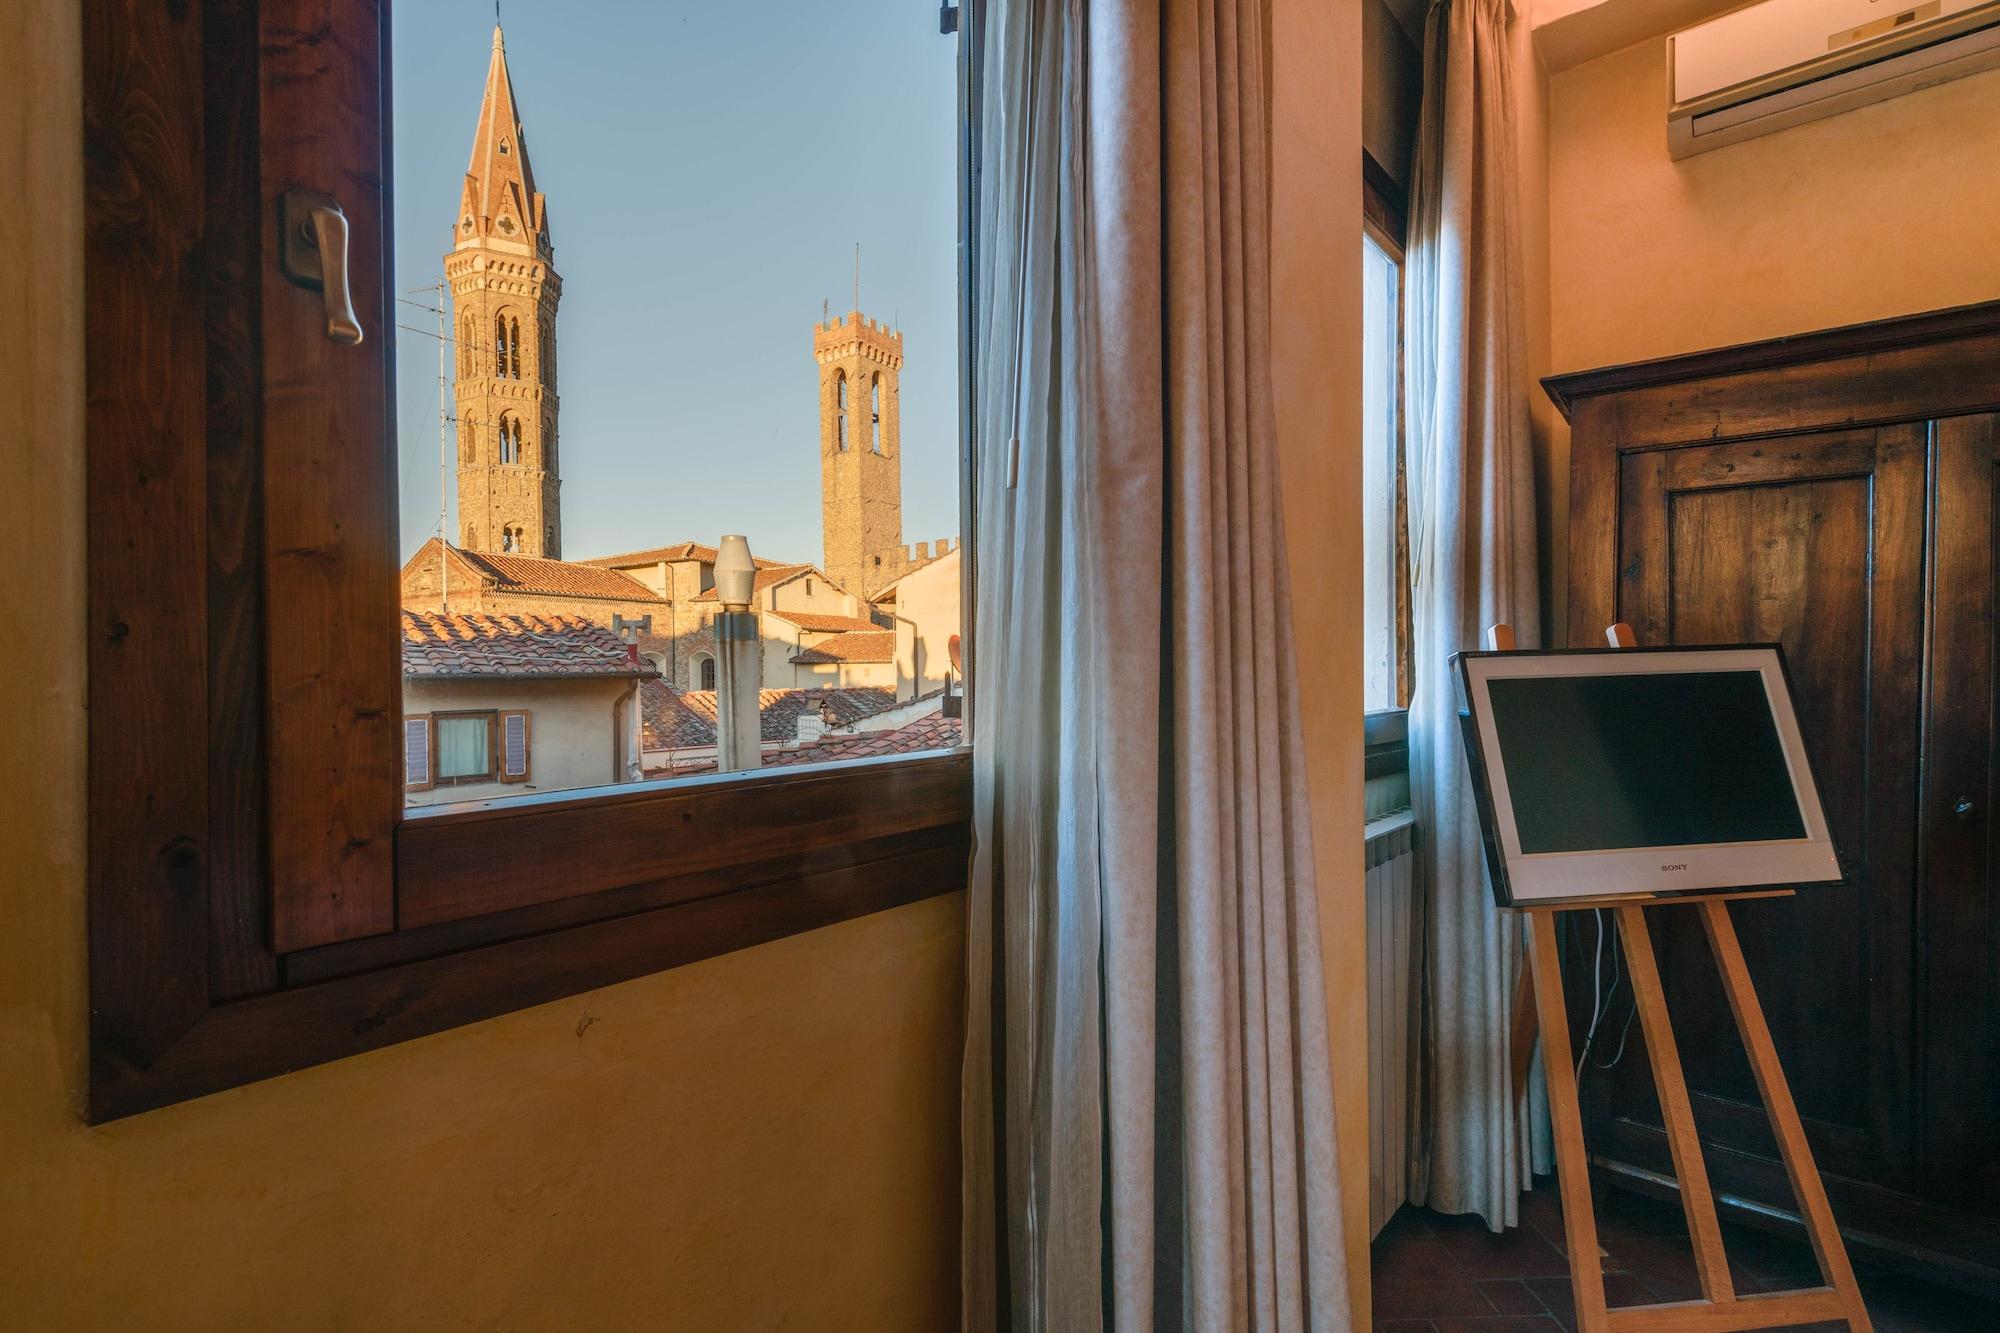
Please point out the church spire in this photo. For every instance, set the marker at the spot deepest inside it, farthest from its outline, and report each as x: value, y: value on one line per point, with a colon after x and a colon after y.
x: 500, y: 202
x: 504, y: 292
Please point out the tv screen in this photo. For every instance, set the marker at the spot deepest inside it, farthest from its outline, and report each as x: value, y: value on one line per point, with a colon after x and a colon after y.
x: 1611, y: 774
x: 1596, y: 762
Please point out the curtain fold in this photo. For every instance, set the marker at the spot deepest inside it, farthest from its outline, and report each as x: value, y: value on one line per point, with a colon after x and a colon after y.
x: 1472, y: 564
x: 1148, y: 1129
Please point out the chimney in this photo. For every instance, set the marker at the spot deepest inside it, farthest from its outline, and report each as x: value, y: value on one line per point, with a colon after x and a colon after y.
x: 739, y: 652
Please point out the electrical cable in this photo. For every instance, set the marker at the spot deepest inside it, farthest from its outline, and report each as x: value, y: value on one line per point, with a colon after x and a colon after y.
x: 1596, y: 991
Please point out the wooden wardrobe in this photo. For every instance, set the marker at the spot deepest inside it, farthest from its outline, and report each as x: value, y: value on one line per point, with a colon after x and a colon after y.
x: 1836, y: 493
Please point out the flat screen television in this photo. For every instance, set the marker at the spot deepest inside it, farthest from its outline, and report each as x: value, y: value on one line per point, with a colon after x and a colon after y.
x: 1640, y: 772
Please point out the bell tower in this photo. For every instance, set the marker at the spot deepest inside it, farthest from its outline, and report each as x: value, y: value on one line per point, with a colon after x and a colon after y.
x: 504, y: 290
x: 860, y: 451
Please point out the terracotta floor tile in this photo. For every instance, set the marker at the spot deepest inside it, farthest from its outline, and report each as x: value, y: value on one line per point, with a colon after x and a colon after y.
x: 1556, y: 1297
x: 1510, y: 1296
x: 1437, y: 1274
x: 1519, y: 1252
x: 1666, y: 1265
x: 1416, y: 1277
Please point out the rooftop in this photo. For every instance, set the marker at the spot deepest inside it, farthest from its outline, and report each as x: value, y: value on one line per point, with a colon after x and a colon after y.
x: 815, y: 623
x: 768, y: 575
x: 681, y: 719
x: 535, y: 575
x: 870, y: 645
x: 490, y: 647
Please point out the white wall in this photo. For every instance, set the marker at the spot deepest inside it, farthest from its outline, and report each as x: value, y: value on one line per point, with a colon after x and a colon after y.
x: 572, y: 736
x: 927, y: 614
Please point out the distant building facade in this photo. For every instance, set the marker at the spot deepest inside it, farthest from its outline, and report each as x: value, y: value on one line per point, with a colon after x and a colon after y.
x: 504, y: 291
x: 494, y: 705
x: 824, y: 631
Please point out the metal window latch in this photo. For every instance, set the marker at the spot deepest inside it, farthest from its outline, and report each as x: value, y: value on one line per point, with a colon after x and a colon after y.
x: 312, y: 252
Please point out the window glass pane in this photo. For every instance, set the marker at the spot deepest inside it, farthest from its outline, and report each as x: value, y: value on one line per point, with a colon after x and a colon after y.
x: 463, y: 746
x: 734, y: 258
x: 1380, y: 412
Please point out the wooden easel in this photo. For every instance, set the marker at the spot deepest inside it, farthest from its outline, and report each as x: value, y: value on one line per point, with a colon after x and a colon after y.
x: 1538, y: 1003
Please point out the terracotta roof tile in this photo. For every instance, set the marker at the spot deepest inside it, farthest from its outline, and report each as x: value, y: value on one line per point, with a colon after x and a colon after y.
x: 654, y: 556
x: 873, y: 645
x: 669, y: 554
x: 521, y: 647
x: 768, y: 575
x: 815, y: 623
x: 933, y: 731
x: 678, y: 719
x: 558, y: 578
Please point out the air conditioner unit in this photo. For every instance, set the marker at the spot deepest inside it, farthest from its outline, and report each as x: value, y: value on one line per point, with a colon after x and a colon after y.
x: 1769, y: 66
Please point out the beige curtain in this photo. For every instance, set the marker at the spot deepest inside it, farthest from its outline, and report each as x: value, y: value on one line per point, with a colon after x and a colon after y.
x: 1472, y: 547
x: 1148, y: 1126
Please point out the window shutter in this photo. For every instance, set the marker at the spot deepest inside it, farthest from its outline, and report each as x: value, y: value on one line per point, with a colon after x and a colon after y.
x: 513, y: 747
x: 417, y: 753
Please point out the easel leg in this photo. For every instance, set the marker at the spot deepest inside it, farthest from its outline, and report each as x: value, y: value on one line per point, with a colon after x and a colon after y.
x: 1586, y: 1270
x: 1697, y: 1201
x: 1784, y: 1113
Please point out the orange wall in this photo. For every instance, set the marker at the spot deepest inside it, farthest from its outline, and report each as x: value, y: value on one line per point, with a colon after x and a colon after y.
x: 1888, y: 210
x: 1316, y: 380
x: 763, y: 1140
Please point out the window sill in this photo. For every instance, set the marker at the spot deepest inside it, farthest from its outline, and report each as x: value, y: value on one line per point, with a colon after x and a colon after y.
x: 697, y: 880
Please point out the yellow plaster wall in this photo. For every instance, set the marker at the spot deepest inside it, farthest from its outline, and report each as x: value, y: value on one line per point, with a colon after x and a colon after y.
x: 764, y: 1140
x: 1316, y: 369
x: 1888, y: 210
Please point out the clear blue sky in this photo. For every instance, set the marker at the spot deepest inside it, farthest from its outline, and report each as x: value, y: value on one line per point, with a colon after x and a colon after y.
x: 748, y: 147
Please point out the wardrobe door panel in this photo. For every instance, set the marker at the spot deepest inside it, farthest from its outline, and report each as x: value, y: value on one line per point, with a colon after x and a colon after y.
x: 1815, y: 542
x: 1959, y: 1036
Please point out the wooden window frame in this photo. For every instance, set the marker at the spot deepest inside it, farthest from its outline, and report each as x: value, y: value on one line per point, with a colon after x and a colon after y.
x: 1384, y: 220
x: 259, y: 900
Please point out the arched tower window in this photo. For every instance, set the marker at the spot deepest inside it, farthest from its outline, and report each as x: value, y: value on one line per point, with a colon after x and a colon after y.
x: 548, y: 361
x: 465, y: 366
x: 500, y: 346
x: 468, y: 435
x: 840, y: 410
x: 875, y: 412
x: 514, y: 348
x: 510, y: 537
x: 510, y: 439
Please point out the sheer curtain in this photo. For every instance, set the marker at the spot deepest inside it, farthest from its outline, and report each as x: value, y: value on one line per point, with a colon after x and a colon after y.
x: 1472, y: 564
x: 1148, y: 1119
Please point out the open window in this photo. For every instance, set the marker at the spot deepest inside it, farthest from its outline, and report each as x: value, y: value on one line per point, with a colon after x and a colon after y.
x: 375, y: 754
x: 1386, y: 636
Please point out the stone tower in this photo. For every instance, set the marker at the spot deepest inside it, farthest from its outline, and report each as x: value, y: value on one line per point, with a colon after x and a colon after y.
x: 504, y: 291
x: 860, y: 452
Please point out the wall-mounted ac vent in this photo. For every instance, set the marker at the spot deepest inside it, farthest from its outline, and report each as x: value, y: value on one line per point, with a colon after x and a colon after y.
x: 1781, y: 63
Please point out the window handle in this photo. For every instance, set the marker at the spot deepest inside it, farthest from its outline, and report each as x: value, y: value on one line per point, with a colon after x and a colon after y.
x: 313, y: 254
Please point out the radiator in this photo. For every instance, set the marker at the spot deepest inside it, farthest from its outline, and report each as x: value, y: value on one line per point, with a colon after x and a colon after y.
x: 1390, y: 894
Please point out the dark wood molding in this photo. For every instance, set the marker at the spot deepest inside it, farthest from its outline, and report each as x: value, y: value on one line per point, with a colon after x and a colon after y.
x: 199, y: 537
x: 1384, y: 202
x: 1885, y: 1223
x: 565, y: 845
x: 1839, y: 491
x: 1885, y: 335
x: 261, y: 1036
